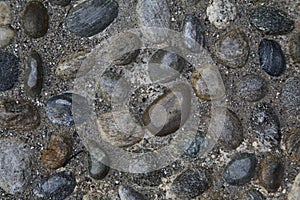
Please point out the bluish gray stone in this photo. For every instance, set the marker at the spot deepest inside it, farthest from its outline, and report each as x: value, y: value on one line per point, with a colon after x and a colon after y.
x: 9, y: 65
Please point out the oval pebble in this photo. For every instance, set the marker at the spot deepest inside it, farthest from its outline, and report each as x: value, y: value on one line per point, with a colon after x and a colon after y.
x: 6, y: 36
x: 91, y: 17
x: 18, y: 114
x: 57, y: 186
x: 232, y: 49
x: 241, y: 169
x: 9, y: 65
x: 291, y: 96
x: 271, y: 57
x: 292, y: 144
x: 271, y: 21
x: 226, y: 128
x: 15, y: 166
x: 33, y: 81
x: 294, y: 194
x: 5, y: 14
x: 265, y: 124
x: 191, y: 183
x: 35, y: 19
x: 193, y: 33
x: 271, y: 173
x: 154, y: 18
x: 98, y: 161
x: 198, y: 144
x: 128, y: 193
x: 60, y: 2
x: 221, y: 12
x: 252, y: 88
x: 295, y: 47
x: 251, y: 194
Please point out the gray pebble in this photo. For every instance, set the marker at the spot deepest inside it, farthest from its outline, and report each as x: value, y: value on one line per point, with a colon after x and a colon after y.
x: 5, y: 14
x: 60, y: 2
x: 9, y: 65
x: 251, y: 194
x: 6, y: 36
x: 295, y: 47
x: 98, y: 161
x: 291, y: 96
x: 128, y: 193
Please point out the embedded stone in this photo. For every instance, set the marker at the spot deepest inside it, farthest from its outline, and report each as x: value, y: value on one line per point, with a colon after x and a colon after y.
x: 6, y: 36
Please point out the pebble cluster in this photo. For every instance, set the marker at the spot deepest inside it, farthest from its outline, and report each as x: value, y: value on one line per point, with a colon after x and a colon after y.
x: 258, y: 171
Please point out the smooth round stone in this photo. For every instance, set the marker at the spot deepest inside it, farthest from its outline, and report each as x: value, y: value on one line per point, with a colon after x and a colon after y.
x: 57, y: 186
x: 128, y: 193
x: 220, y: 13
x: 6, y: 36
x: 291, y: 96
x: 295, y: 47
x: 58, y: 152
x: 168, y: 113
x: 18, y: 114
x: 191, y: 183
x: 15, y: 166
x: 251, y: 194
x: 60, y: 2
x: 241, y: 169
x: 207, y: 83
x: 294, y: 194
x: 226, y: 128
x: 59, y: 108
x: 91, y: 17
x: 74, y: 65
x: 9, y: 64
x: 154, y: 18
x: 165, y: 66
x: 33, y: 80
x: 119, y: 129
x: 232, y: 49
x: 252, y: 88
x: 97, y: 160
x: 271, y: 57
x: 292, y: 144
x: 35, y: 19
x: 265, y: 124
x: 193, y: 33
x: 199, y: 144
x: 124, y: 48
x: 271, y: 173
x: 5, y: 14
x: 271, y: 21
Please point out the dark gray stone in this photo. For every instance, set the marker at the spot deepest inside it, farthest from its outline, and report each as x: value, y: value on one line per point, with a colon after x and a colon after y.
x: 251, y: 194
x: 291, y: 96
x: 295, y: 47
x: 271, y: 21
x: 128, y: 193
x: 271, y: 57
x: 60, y: 2
x: 292, y: 144
x: 91, y: 17
x: 199, y: 143
x: 97, y: 168
x: 9, y: 64
x: 252, y: 88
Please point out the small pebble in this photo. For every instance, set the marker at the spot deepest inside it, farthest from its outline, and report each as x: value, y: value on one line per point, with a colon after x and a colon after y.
x: 294, y: 194
x: 9, y: 65
x: 5, y: 14
x: 35, y: 19
x: 292, y: 144
x: 98, y: 160
x: 241, y: 169
x: 60, y: 2
x: 295, y: 47
x: 221, y: 12
x: 128, y: 193
x: 291, y: 96
x: 271, y: 57
x: 6, y: 36
x: 199, y: 144
x: 251, y: 194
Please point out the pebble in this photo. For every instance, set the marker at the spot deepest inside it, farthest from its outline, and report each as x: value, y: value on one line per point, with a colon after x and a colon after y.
x: 35, y: 19
x: 128, y: 193
x: 251, y: 194
x: 191, y: 183
x: 291, y: 96
x: 271, y: 173
x: 153, y: 17
x: 119, y: 129
x: 271, y: 21
x: 221, y: 12
x: 295, y: 191
x: 33, y: 81
x: 74, y: 65
x: 226, y: 128
x: 232, y: 49
x: 252, y: 88
x: 241, y: 169
x: 6, y: 36
x: 5, y: 14
x: 18, y: 114
x: 265, y: 124
x: 91, y: 17
x: 193, y: 33
x: 165, y: 66
x: 271, y: 57
x: 199, y: 144
x: 57, y: 186
x: 295, y: 47
x: 207, y: 83
x: 97, y: 163
x: 60, y: 2
x: 124, y: 48
x: 168, y: 112
x: 15, y: 166
x: 292, y: 144
x: 9, y: 65
x: 58, y: 152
